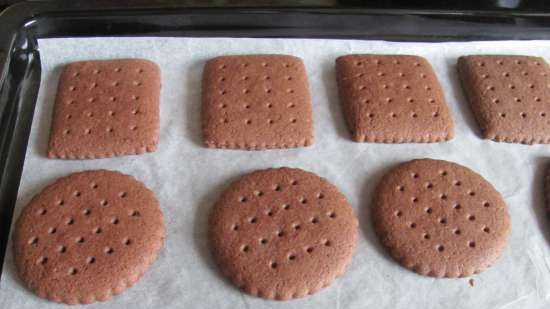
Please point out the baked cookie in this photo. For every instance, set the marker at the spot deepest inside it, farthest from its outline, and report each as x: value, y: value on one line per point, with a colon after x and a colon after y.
x: 282, y: 233
x: 440, y: 219
x: 87, y: 237
x: 392, y: 99
x: 106, y: 108
x: 508, y: 96
x: 256, y: 102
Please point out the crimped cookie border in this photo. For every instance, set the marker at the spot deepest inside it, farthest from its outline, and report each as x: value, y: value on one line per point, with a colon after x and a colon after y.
x: 237, y: 145
x: 109, y: 154
x: 371, y: 138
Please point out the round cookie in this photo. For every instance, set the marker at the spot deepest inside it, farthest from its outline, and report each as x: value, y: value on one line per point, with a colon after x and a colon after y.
x: 88, y: 236
x: 282, y: 233
x: 440, y: 219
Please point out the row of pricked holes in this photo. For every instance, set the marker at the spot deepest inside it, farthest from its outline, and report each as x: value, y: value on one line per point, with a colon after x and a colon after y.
x: 247, y: 91
x: 278, y: 188
x: 395, y: 115
x: 246, y: 64
x: 112, y: 99
x: 87, y: 212
x: 507, y: 74
x: 390, y: 100
x: 291, y: 256
x: 517, y: 100
x: 378, y: 61
x: 70, y: 221
x: 98, y: 71
x: 114, y: 84
x: 386, y: 86
x: 500, y: 62
x: 511, y: 86
x: 89, y: 131
x: 295, y: 226
x: 429, y: 185
x: 89, y: 260
x: 269, y: 121
x: 268, y: 105
x: 110, y: 113
x: 78, y: 194
x: 80, y: 240
x: 245, y: 78
x: 428, y: 210
x: 522, y: 114
x: 382, y: 74
x: 263, y: 242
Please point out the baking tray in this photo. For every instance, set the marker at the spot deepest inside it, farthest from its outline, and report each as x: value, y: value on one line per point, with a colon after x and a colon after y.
x: 25, y: 22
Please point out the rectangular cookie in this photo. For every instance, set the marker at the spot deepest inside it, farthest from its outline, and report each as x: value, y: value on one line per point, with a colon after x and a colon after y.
x: 256, y: 102
x: 392, y: 99
x: 509, y: 96
x: 106, y: 108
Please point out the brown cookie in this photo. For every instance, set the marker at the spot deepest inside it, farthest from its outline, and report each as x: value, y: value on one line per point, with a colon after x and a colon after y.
x: 106, y: 108
x: 87, y: 237
x: 509, y: 96
x: 392, y: 99
x: 283, y: 233
x: 440, y: 219
x: 256, y: 102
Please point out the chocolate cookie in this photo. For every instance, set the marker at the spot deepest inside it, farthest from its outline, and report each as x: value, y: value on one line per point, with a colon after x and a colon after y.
x: 282, y: 233
x: 87, y: 237
x: 440, y: 219
x: 256, y: 102
x: 509, y: 96
x: 392, y: 99
x: 106, y: 108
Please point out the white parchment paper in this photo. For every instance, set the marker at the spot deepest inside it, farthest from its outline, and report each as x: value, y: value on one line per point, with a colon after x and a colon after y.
x: 188, y: 177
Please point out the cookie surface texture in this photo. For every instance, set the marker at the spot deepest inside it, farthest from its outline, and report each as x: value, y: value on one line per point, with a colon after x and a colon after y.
x: 282, y: 233
x: 88, y: 236
x: 392, y: 99
x: 106, y: 108
x: 508, y: 96
x: 256, y: 102
x: 440, y: 219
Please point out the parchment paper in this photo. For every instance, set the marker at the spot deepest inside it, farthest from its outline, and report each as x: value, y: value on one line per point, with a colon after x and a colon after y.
x: 188, y: 177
